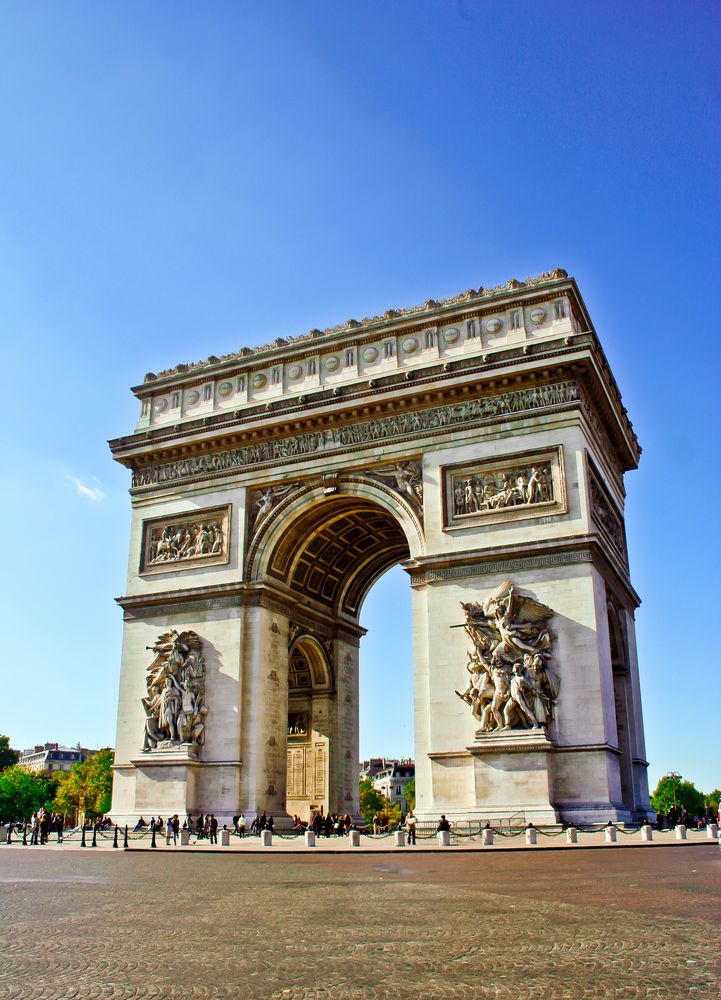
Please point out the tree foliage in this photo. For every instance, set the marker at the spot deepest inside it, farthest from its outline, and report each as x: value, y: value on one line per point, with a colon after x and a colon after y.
x: 22, y: 793
x: 672, y: 791
x: 8, y: 756
x: 409, y: 793
x: 87, y: 788
x: 713, y: 798
x: 372, y: 803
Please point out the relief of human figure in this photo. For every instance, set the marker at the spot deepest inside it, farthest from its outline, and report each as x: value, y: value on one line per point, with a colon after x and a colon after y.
x: 517, y: 703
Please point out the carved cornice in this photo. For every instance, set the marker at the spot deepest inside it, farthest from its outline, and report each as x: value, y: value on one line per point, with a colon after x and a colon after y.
x: 339, y: 439
x: 429, y: 307
x: 486, y: 564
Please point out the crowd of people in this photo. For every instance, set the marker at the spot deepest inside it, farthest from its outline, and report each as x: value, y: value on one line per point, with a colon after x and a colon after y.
x: 692, y: 821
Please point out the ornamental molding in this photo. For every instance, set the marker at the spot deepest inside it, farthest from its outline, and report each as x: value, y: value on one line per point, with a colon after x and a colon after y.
x: 470, y: 296
x: 490, y: 567
x: 431, y: 421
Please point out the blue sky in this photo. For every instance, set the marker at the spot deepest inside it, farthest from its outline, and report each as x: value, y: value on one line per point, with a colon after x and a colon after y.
x: 179, y: 179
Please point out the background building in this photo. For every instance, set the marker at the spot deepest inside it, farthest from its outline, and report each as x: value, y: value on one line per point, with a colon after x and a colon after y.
x: 389, y: 776
x: 53, y: 757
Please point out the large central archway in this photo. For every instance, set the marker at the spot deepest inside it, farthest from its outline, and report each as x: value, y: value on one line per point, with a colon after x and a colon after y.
x: 324, y: 553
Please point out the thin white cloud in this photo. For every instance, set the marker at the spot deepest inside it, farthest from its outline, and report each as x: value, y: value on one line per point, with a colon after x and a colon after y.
x: 93, y: 493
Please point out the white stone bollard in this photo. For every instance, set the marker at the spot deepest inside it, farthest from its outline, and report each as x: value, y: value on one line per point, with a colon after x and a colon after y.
x: 610, y: 834
x: 184, y: 838
x: 309, y: 838
x: 531, y: 836
x: 266, y: 838
x: 487, y: 837
x: 3, y: 834
x: 712, y: 831
x: 444, y: 838
x: 572, y: 835
x: 399, y: 838
x: 225, y: 838
x: 647, y: 832
x: 680, y: 832
x: 354, y: 838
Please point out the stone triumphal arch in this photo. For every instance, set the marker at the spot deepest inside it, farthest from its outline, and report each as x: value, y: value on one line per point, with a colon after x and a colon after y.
x: 480, y: 442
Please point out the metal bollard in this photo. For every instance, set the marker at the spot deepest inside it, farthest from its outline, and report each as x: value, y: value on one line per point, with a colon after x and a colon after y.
x: 115, y: 837
x: 125, y: 839
x: 487, y: 837
x: 711, y: 832
x: 82, y: 842
x: 680, y: 832
x: 610, y: 834
x: 354, y: 838
x: 572, y: 835
x: 309, y: 838
x: 25, y: 835
x: 399, y: 838
x: 152, y: 837
x: 266, y: 838
x: 647, y: 832
x: 444, y: 838
x: 94, y: 842
x: 531, y: 835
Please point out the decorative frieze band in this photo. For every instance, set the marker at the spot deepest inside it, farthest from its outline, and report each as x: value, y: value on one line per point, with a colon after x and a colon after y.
x: 482, y: 568
x: 436, y: 419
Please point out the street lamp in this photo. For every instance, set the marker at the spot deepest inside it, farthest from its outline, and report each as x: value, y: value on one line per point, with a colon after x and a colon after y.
x: 675, y: 777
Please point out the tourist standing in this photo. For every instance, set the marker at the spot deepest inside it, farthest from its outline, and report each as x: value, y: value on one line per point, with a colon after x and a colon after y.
x: 411, y: 827
x: 213, y: 829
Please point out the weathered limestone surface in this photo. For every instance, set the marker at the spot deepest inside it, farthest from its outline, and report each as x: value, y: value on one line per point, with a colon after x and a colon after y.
x: 478, y: 441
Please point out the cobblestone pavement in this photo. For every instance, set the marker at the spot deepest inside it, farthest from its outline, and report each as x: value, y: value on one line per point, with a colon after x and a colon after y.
x: 524, y: 925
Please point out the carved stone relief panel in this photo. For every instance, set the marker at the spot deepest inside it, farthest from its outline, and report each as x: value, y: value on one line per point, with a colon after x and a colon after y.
x: 510, y: 684
x: 605, y: 513
x: 530, y: 484
x: 201, y: 536
x: 175, y: 708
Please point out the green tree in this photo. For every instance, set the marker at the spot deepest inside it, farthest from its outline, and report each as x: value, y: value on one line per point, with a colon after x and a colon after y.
x: 370, y: 800
x: 409, y: 793
x: 21, y: 793
x: 8, y: 756
x: 672, y: 791
x: 88, y: 787
x: 713, y: 798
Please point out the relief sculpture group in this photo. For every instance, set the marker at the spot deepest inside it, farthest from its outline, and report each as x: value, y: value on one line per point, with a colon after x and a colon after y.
x: 175, y: 706
x: 510, y: 488
x: 510, y: 684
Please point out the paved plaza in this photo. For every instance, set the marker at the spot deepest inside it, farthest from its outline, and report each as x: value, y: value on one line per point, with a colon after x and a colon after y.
x: 620, y: 923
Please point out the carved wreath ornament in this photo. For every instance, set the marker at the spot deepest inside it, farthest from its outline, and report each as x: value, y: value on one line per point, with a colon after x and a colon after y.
x: 175, y: 706
x: 510, y: 684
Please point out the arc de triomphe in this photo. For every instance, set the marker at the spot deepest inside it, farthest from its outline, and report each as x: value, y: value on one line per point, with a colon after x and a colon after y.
x: 481, y: 443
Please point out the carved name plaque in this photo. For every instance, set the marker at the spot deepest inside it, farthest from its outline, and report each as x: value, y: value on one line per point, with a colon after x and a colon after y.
x: 531, y: 484
x: 174, y: 543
